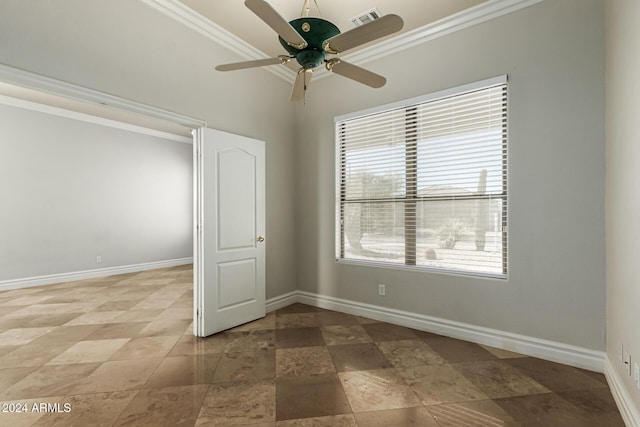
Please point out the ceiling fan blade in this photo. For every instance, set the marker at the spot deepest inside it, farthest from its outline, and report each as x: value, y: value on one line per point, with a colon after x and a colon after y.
x: 280, y: 25
x: 356, y: 73
x: 256, y: 63
x: 301, y: 84
x: 384, y: 26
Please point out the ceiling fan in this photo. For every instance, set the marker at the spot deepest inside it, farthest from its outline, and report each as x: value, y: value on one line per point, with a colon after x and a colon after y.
x: 308, y: 40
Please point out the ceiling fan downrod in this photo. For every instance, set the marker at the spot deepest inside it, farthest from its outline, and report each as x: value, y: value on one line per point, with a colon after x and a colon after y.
x: 306, y: 8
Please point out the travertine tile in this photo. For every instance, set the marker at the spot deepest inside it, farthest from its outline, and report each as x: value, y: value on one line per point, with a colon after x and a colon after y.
x: 377, y: 390
x: 116, y: 305
x: 497, y: 379
x: 89, y: 351
x: 436, y: 384
x: 327, y: 317
x: 33, y: 354
x: 247, y: 366
x: 171, y: 406
x: 598, y: 405
x: 95, y: 317
x: 456, y: 351
x: 240, y: 342
x: 344, y: 334
x: 141, y: 347
x: 45, y: 309
x: 328, y: 421
x: 554, y: 376
x: 117, y: 330
x: 183, y: 370
x: 189, y: 345
x: 26, y: 300
x: 303, y: 361
x: 10, y: 376
x: 237, y: 403
x: 407, y: 353
x: 298, y: 337
x: 298, y: 308
x: 296, y: 320
x: 65, y: 333
x: 388, y: 332
x: 364, y: 320
x: 97, y: 410
x: 501, y: 354
x: 545, y: 410
x: 117, y: 375
x: 37, y: 321
x: 310, y: 396
x: 49, y: 381
x: 139, y: 315
x: 404, y: 417
x: 25, y: 412
x: 7, y: 310
x: 477, y: 413
x: 21, y: 336
x: 267, y: 322
x: 177, y: 313
x: 276, y: 371
x: 358, y: 357
x: 165, y: 327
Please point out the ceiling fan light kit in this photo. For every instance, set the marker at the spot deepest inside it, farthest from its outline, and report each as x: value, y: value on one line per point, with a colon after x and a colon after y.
x: 308, y: 40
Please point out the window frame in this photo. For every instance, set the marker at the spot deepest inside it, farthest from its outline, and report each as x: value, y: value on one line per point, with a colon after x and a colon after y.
x: 412, y: 198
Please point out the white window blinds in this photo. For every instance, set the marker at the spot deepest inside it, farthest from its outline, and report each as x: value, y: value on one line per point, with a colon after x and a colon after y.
x: 424, y: 183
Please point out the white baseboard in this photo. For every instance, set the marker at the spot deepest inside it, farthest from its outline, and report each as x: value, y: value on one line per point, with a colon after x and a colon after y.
x: 50, y: 279
x: 628, y: 409
x: 549, y: 350
x: 281, y: 301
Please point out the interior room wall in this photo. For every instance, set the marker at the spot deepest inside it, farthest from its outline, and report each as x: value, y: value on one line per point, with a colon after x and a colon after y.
x: 623, y: 188
x: 131, y: 50
x: 553, y: 53
x: 73, y: 191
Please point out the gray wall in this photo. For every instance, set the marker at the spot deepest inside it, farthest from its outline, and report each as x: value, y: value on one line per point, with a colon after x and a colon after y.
x: 128, y: 49
x: 553, y: 53
x: 73, y: 190
x: 623, y: 185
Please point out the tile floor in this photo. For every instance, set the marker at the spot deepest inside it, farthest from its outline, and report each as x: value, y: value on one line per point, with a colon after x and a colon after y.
x: 119, y: 351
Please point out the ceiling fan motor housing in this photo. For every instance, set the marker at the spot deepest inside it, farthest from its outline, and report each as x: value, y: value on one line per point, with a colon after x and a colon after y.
x: 315, y: 31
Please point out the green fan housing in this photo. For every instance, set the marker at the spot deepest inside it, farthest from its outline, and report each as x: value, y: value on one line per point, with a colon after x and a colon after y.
x: 315, y: 31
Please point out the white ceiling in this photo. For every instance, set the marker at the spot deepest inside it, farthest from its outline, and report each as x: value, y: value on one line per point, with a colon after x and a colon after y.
x: 234, y: 17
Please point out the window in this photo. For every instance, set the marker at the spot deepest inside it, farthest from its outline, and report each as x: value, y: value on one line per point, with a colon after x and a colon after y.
x: 423, y: 182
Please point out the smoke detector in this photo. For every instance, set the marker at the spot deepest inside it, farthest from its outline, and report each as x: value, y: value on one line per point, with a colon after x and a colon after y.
x: 366, y: 17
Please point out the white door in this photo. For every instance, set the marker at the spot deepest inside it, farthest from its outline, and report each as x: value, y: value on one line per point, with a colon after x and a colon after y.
x: 229, y: 248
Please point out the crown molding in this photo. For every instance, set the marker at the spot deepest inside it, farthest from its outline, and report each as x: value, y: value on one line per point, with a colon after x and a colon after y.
x: 475, y: 15
x: 45, y: 84
x: 199, y: 23
x: 467, y: 18
x: 89, y: 118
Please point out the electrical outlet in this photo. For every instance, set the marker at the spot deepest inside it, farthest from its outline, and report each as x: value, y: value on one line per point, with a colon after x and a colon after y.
x: 636, y: 374
x: 627, y: 363
x: 98, y: 259
x: 382, y: 290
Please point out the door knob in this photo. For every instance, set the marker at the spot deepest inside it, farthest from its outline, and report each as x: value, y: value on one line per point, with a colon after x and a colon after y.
x: 260, y: 239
